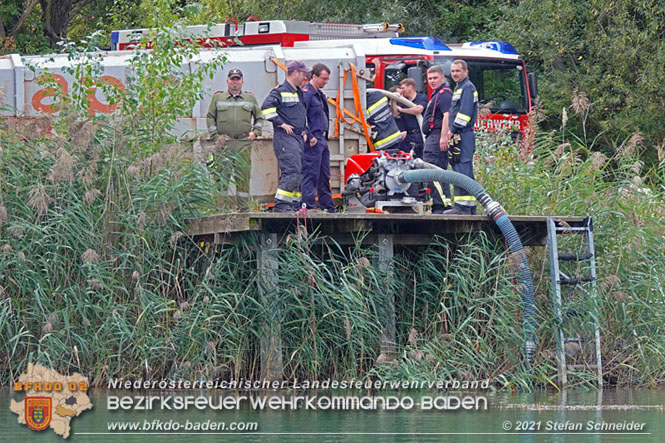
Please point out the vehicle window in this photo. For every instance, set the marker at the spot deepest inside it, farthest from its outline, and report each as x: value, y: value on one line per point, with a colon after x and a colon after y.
x: 501, y: 84
x: 395, y: 73
x: 501, y: 87
x: 371, y: 68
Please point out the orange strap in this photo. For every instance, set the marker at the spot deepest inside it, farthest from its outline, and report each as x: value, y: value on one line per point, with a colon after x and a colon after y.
x: 276, y: 61
x: 333, y: 102
x: 359, y: 114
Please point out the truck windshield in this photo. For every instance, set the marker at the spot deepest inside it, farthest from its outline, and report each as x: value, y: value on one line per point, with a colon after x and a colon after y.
x: 500, y: 83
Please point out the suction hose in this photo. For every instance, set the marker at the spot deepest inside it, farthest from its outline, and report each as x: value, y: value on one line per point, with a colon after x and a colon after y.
x: 432, y: 173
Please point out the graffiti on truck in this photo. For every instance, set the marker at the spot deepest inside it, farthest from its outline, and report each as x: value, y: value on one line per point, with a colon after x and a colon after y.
x: 43, y: 100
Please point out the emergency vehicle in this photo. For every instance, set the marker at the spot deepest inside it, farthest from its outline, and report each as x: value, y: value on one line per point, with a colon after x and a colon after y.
x: 359, y: 56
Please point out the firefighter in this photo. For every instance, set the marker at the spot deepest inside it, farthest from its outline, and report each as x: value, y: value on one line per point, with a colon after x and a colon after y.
x: 463, y: 114
x: 385, y: 132
x: 236, y: 114
x: 284, y: 107
x: 316, y: 156
x: 414, y: 138
x: 435, y: 128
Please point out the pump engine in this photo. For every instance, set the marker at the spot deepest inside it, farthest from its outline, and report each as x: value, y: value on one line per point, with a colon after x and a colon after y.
x: 372, y: 184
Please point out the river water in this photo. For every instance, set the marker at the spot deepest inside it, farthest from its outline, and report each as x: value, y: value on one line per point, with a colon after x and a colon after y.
x: 613, y: 415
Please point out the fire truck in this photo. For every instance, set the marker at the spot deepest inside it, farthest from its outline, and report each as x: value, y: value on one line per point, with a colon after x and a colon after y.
x: 359, y: 56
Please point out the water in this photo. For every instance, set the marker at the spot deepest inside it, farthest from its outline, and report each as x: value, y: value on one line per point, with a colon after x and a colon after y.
x: 537, y: 412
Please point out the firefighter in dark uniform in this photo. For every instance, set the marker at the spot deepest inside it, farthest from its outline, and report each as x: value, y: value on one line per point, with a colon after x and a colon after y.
x: 407, y: 116
x: 316, y: 157
x: 285, y: 108
x: 386, y: 135
x: 236, y: 114
x: 463, y: 115
x: 435, y: 128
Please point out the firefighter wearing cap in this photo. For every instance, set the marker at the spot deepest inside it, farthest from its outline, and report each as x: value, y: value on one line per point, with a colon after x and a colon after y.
x: 435, y: 128
x: 316, y: 156
x: 236, y: 114
x: 463, y: 114
x: 284, y: 107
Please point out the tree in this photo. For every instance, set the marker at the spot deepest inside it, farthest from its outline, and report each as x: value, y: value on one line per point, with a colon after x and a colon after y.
x: 612, y: 52
x: 57, y: 16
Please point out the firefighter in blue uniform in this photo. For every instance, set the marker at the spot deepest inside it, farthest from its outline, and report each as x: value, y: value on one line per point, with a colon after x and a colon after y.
x: 316, y: 158
x: 435, y: 128
x: 463, y: 114
x: 284, y: 107
x: 407, y: 116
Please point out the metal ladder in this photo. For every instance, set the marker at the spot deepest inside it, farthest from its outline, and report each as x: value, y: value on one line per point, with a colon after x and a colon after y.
x: 578, y: 317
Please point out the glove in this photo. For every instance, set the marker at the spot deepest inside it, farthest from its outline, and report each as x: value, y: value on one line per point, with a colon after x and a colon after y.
x: 454, y: 154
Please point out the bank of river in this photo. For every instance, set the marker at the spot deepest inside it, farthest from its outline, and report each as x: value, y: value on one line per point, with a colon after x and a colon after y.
x: 615, y: 415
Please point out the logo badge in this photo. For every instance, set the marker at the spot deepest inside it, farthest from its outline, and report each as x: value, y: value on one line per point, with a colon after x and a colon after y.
x: 38, y: 412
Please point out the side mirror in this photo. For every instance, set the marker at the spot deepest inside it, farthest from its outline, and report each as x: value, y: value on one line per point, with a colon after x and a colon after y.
x: 533, y: 85
x: 418, y: 74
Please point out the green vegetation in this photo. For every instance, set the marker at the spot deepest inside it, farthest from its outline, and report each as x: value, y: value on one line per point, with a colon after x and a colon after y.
x: 606, y: 54
x: 96, y: 275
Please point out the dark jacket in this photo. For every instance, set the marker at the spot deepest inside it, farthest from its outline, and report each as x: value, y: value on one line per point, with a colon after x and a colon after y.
x: 464, y: 108
x: 285, y: 104
x: 318, y: 114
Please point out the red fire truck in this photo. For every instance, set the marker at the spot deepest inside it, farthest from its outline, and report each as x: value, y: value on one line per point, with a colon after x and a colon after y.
x: 360, y: 57
x: 495, y: 67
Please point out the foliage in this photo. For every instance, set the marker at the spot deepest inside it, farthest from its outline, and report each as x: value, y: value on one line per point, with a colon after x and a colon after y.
x: 566, y: 177
x: 608, y: 52
x: 158, y: 89
x: 92, y: 240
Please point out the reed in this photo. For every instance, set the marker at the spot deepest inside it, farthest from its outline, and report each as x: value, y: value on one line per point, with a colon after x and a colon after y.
x: 98, y: 276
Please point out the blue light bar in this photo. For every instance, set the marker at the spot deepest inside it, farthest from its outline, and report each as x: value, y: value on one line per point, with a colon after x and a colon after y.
x: 115, y: 36
x: 430, y: 43
x: 502, y: 47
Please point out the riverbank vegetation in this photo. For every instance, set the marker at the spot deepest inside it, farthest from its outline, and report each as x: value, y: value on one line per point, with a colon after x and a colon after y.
x: 97, y: 275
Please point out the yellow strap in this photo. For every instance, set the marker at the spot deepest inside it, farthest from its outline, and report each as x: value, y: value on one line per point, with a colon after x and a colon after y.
x: 377, y: 104
x: 462, y: 198
x: 269, y: 111
x: 389, y: 138
x: 464, y: 117
x: 286, y: 193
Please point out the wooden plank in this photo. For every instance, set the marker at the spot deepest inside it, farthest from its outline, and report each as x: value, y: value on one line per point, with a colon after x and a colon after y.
x: 407, y: 228
x: 222, y: 223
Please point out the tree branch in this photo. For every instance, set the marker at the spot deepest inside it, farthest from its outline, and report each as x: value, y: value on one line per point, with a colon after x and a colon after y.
x: 76, y: 8
x: 29, y: 4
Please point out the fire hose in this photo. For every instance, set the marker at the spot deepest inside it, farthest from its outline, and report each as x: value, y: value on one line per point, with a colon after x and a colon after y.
x: 431, y: 173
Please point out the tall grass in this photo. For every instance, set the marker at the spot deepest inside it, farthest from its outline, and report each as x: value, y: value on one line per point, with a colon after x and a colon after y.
x: 98, y: 276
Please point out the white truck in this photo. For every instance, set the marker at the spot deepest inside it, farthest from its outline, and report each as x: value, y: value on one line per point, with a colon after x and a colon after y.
x: 378, y: 56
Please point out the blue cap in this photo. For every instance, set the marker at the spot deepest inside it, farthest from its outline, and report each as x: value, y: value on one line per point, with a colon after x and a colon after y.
x: 297, y: 66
